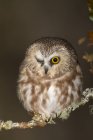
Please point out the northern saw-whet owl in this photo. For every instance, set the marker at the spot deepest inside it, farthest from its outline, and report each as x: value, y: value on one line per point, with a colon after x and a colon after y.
x: 50, y: 77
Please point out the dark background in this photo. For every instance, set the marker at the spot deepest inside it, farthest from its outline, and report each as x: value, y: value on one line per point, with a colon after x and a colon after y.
x: 21, y: 22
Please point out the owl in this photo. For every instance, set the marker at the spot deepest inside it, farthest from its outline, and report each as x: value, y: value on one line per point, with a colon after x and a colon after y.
x: 50, y: 77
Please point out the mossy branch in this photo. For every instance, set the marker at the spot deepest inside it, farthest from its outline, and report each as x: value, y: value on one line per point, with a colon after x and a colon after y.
x: 37, y: 119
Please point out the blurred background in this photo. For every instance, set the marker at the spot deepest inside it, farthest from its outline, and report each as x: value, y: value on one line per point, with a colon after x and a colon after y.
x: 22, y: 22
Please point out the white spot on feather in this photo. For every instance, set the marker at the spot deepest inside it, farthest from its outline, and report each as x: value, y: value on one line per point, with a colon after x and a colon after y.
x: 37, y: 89
x: 68, y: 100
x: 77, y: 82
x: 23, y: 78
x: 52, y: 92
x: 69, y: 90
x: 28, y: 99
x: 27, y: 86
x: 39, y: 55
x: 75, y: 95
x: 27, y: 89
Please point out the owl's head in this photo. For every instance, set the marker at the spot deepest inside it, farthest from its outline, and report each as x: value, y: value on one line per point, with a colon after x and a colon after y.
x: 50, y: 57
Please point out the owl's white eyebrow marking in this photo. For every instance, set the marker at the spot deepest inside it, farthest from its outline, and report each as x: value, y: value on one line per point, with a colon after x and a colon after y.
x: 54, y: 54
x: 39, y: 59
x: 39, y: 56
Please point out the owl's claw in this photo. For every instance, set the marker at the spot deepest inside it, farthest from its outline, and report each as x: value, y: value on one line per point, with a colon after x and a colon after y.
x: 39, y: 120
x: 51, y: 121
x: 87, y: 92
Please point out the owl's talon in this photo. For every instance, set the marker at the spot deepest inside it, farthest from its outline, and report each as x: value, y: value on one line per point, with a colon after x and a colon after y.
x: 51, y: 121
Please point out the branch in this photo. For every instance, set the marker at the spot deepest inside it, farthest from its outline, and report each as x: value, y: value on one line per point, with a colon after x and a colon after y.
x: 87, y: 94
x: 37, y: 119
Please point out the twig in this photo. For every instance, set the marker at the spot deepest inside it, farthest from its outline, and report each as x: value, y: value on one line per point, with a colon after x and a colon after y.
x: 87, y: 94
x: 37, y: 119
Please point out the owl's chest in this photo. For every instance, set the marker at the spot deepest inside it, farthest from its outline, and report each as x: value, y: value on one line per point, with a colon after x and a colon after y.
x: 49, y: 98
x: 46, y: 98
x: 45, y: 94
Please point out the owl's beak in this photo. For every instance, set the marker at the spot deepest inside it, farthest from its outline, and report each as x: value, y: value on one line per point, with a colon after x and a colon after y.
x: 46, y: 69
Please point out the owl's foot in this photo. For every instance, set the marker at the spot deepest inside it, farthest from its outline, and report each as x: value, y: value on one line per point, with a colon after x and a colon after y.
x: 39, y: 120
x: 88, y: 92
x: 50, y: 121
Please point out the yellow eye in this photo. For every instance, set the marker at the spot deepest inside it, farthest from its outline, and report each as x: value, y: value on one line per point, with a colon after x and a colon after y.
x: 55, y: 60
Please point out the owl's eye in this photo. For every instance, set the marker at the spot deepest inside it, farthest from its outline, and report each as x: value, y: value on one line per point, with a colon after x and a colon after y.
x: 55, y: 60
x: 40, y: 61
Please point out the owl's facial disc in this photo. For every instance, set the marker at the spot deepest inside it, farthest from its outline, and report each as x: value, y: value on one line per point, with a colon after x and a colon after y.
x: 47, y: 62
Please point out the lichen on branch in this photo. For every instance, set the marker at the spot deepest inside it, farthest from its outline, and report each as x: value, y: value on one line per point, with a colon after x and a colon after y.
x: 37, y: 119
